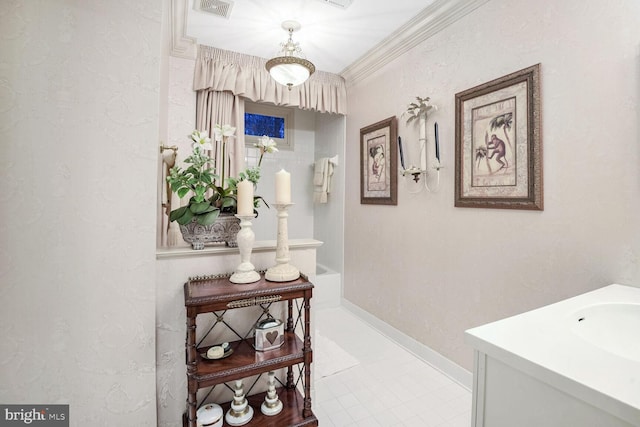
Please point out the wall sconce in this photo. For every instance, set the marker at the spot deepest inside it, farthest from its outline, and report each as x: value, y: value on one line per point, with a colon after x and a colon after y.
x: 419, y: 110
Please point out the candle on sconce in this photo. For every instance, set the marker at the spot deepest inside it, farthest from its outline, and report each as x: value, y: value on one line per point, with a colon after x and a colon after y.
x: 245, y: 198
x: 283, y: 187
x: 437, y: 142
x: 401, y: 152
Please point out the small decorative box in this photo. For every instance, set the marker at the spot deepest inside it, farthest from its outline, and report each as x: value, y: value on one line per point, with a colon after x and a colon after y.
x: 269, y: 334
x: 210, y: 415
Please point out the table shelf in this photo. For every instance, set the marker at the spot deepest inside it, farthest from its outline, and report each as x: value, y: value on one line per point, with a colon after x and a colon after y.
x: 245, y: 361
x: 213, y: 294
x: 290, y: 416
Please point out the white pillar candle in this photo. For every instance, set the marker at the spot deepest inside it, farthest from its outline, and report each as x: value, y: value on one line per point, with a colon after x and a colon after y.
x: 245, y: 198
x: 283, y: 187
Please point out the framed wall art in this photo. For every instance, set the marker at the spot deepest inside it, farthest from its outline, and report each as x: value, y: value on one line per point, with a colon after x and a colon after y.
x: 379, y: 163
x: 497, y: 143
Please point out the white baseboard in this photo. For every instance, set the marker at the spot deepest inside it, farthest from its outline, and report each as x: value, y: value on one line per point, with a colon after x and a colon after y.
x: 430, y: 356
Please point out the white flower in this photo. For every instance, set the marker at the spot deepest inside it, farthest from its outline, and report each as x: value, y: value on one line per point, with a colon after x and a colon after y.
x: 266, y: 145
x: 221, y: 132
x: 202, y: 140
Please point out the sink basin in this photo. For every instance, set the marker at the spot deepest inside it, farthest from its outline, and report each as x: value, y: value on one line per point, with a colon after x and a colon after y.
x: 613, y: 327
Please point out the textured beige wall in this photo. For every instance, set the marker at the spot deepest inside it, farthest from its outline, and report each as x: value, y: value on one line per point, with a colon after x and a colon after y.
x: 432, y: 270
x: 79, y: 88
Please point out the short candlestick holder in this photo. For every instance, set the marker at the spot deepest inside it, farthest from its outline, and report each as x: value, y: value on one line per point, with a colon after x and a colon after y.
x: 240, y: 413
x: 282, y: 271
x: 245, y: 272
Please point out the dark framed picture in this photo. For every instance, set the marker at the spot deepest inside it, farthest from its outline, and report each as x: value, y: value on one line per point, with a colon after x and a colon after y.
x: 498, y: 144
x: 379, y: 163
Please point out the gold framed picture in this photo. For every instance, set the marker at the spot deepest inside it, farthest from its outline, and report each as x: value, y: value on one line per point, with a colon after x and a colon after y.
x: 379, y: 163
x: 498, y: 145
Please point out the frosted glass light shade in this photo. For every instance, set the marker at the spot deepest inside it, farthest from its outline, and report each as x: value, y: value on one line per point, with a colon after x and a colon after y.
x: 290, y: 70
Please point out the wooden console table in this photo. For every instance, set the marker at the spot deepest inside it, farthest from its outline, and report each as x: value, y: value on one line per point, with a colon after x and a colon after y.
x: 216, y: 294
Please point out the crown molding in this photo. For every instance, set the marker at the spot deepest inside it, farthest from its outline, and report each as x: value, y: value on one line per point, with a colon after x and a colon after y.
x: 433, y: 19
x: 182, y: 45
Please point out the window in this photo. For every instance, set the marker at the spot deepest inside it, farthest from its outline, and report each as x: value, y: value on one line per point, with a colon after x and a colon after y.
x: 275, y: 122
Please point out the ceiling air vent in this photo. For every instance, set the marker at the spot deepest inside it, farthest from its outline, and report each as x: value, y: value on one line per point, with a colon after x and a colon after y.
x: 215, y: 7
x: 342, y: 4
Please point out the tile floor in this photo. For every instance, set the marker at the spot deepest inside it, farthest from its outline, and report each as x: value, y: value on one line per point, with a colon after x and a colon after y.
x: 389, y: 387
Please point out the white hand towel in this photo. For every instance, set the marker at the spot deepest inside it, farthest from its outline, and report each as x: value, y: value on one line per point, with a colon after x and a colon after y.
x: 329, y: 174
x: 323, y: 185
x: 318, y: 172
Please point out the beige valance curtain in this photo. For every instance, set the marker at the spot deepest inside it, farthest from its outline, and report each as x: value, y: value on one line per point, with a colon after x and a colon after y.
x: 244, y: 75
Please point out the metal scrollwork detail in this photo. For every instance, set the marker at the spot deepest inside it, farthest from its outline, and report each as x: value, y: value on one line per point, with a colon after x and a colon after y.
x: 241, y: 303
x: 268, y: 299
x: 209, y: 277
x: 254, y: 301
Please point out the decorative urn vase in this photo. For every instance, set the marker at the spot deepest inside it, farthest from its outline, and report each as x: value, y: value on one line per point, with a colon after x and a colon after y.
x: 223, y: 230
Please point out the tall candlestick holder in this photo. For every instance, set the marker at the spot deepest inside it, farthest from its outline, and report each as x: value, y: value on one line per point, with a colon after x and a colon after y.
x: 245, y: 272
x: 282, y: 271
x: 272, y: 405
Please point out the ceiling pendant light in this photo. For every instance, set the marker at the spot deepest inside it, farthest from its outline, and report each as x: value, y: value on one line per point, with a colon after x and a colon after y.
x: 290, y: 68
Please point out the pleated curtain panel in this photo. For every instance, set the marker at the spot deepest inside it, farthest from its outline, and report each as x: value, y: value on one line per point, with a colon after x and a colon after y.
x: 213, y: 107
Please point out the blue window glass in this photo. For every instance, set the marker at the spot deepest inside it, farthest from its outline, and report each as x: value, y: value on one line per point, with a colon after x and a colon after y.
x: 258, y: 125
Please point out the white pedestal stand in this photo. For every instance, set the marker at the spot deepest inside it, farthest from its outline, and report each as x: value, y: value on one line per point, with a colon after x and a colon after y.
x: 282, y: 271
x: 245, y: 272
x: 272, y: 404
x: 240, y: 412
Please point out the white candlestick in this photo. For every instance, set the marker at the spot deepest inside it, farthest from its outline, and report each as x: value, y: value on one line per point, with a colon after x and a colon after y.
x: 282, y: 271
x: 423, y: 142
x: 283, y: 187
x: 272, y: 404
x: 245, y: 272
x: 241, y: 412
x: 245, y: 198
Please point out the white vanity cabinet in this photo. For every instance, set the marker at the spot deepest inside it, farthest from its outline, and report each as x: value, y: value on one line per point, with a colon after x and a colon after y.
x: 504, y: 396
x: 574, y: 363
